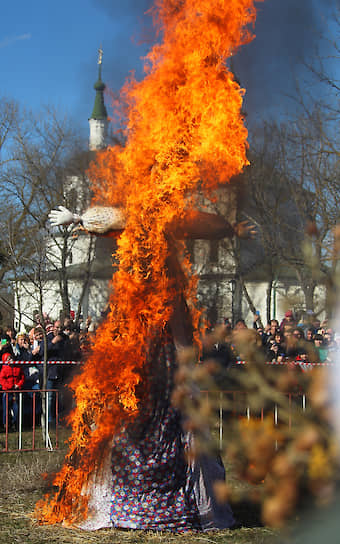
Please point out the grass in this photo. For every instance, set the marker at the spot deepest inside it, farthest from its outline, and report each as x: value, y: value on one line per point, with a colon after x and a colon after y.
x: 22, y: 484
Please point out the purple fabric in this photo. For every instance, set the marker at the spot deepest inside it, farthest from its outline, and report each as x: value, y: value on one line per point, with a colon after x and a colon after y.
x: 153, y: 487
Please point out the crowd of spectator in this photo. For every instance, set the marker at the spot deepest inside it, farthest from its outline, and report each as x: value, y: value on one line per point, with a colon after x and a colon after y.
x: 63, y: 341
x: 306, y: 341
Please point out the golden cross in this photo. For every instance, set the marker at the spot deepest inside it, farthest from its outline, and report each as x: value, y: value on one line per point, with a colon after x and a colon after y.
x: 100, y: 56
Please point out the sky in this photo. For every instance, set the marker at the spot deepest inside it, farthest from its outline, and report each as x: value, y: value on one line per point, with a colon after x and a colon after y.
x: 49, y: 50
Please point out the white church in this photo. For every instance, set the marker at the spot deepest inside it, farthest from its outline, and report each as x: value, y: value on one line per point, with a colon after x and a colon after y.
x: 85, y: 263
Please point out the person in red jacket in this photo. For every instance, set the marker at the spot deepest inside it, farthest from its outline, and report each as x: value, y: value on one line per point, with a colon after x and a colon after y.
x: 11, y: 378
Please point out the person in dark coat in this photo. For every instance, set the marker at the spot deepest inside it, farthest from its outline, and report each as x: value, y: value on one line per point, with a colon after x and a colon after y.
x: 58, y: 349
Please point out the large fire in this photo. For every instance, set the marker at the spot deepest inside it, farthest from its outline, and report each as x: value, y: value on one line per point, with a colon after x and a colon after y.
x: 184, y: 134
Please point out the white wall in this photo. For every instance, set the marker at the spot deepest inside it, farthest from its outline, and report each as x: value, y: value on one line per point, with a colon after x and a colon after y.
x: 95, y: 301
x: 284, y: 297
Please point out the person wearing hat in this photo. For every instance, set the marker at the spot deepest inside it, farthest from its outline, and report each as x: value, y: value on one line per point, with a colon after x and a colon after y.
x: 287, y: 321
x: 11, y: 378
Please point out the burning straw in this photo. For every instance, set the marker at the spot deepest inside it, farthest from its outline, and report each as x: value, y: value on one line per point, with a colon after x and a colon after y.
x: 184, y: 134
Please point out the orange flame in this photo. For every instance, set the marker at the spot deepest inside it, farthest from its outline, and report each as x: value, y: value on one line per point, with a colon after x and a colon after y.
x: 184, y: 133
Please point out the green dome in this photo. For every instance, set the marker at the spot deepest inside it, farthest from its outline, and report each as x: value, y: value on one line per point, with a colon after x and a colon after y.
x: 99, y: 109
x: 99, y: 85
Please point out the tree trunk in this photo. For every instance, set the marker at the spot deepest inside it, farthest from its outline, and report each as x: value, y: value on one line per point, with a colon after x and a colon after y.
x: 63, y: 279
x: 87, y: 279
x: 308, y: 291
x: 269, y: 300
x: 237, y: 300
x: 250, y: 303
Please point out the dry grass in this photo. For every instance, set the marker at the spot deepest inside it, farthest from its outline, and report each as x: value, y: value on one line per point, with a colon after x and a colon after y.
x: 22, y: 484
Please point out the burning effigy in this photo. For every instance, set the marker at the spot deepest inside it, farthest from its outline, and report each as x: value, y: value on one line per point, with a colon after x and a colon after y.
x: 184, y: 134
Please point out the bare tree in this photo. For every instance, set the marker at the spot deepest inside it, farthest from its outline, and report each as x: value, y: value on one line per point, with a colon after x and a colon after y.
x: 293, y: 196
x: 44, y: 168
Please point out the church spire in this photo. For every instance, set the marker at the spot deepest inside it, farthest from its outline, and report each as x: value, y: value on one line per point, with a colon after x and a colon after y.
x: 98, y: 121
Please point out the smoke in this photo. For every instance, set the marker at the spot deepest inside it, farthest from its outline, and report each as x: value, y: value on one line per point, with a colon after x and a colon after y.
x: 131, y: 20
x: 130, y: 38
x: 288, y: 34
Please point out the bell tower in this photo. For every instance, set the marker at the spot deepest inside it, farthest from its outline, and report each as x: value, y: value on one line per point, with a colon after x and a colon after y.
x: 98, y: 120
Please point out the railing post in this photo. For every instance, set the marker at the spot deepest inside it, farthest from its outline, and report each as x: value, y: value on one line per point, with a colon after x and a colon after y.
x: 20, y: 422
x: 46, y: 419
x: 275, y: 423
x: 33, y: 419
x: 56, y: 417
x: 275, y: 415
x: 6, y: 410
x: 221, y: 421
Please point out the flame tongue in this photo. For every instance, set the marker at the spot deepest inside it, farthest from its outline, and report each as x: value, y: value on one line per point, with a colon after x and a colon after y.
x: 184, y: 132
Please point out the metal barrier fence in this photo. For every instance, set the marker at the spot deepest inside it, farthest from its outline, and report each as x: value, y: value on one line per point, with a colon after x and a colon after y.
x: 25, y: 406
x: 30, y: 435
x: 25, y: 438
x: 48, y: 435
x: 238, y: 407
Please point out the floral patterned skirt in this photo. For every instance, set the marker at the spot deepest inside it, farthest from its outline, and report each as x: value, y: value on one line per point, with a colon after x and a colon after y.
x: 153, y: 487
x: 150, y: 484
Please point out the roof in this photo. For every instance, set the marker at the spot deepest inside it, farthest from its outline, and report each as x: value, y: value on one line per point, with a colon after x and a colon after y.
x: 99, y: 110
x: 99, y: 270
